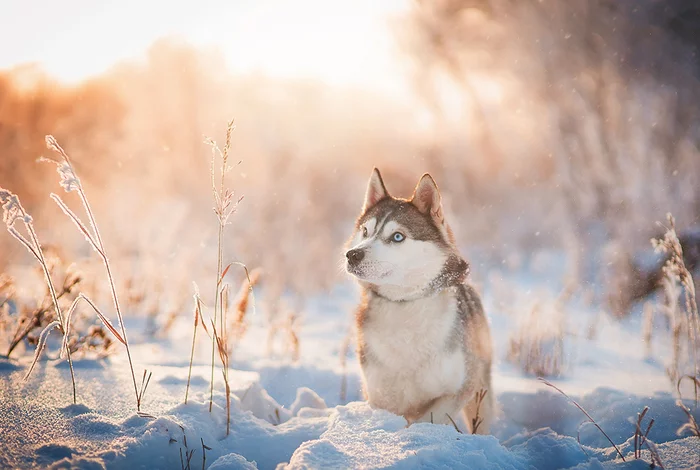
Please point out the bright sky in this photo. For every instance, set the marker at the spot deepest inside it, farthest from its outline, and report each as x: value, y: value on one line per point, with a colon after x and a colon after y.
x: 341, y: 42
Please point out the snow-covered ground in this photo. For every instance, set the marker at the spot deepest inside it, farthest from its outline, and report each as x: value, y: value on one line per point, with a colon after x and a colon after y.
x: 292, y: 414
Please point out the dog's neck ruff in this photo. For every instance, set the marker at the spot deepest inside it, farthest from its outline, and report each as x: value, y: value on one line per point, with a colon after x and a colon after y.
x: 454, y: 273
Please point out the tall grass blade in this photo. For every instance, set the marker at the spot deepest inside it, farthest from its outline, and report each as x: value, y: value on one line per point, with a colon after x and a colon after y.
x: 41, y: 344
x: 572, y: 401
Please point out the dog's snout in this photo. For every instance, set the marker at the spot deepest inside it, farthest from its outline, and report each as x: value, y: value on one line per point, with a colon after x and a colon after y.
x: 355, y: 256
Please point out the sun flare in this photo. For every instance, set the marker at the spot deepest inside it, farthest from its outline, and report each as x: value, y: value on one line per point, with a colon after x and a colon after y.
x: 346, y: 43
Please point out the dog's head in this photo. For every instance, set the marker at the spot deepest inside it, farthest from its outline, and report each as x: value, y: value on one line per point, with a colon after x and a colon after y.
x: 403, y: 248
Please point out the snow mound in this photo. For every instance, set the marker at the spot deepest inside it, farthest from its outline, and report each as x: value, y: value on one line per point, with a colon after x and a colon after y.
x: 361, y: 437
x: 256, y: 400
x: 158, y: 443
x: 307, y: 398
x: 681, y: 453
x: 233, y: 462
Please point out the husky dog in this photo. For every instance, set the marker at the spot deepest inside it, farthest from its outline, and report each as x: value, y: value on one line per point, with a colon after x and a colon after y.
x: 423, y: 339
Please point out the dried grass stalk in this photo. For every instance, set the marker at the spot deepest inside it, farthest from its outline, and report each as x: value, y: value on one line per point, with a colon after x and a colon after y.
x: 13, y: 211
x: 685, y: 322
x: 477, y: 420
x: 537, y: 347
x: 224, y: 356
x: 225, y: 204
x: 69, y: 181
x: 590, y: 419
x: 197, y: 320
x: 691, y: 426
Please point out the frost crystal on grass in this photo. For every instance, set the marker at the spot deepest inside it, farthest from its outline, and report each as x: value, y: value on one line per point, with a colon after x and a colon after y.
x: 69, y: 180
x: 12, y: 209
x: 41, y: 344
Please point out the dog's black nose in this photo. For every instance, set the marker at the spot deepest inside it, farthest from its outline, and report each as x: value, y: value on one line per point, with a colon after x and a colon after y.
x: 355, y: 256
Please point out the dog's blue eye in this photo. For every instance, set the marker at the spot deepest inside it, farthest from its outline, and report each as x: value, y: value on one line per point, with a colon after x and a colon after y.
x: 398, y: 237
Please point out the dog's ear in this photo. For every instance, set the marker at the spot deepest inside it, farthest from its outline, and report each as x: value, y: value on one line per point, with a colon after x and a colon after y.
x: 376, y: 191
x: 426, y: 197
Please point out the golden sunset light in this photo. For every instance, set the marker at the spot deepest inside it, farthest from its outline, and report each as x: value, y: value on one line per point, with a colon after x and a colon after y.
x: 349, y: 234
x: 337, y: 42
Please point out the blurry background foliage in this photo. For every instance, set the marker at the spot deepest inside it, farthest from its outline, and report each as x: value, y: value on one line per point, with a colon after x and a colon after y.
x: 565, y: 125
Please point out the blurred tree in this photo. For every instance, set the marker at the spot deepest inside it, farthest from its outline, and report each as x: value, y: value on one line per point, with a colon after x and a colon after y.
x: 599, y: 98
x: 682, y: 18
x: 85, y: 118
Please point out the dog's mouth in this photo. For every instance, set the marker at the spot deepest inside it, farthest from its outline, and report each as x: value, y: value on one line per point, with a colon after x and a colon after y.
x: 365, y: 273
x: 355, y: 270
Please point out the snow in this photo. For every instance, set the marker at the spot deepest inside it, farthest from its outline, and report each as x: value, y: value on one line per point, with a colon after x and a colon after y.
x: 359, y: 437
x: 307, y: 399
x: 292, y: 415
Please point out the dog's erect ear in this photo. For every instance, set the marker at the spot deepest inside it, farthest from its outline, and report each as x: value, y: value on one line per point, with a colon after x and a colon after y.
x: 426, y: 197
x: 376, y: 191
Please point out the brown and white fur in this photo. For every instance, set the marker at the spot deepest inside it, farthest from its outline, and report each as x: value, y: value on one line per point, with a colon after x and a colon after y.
x: 423, y: 339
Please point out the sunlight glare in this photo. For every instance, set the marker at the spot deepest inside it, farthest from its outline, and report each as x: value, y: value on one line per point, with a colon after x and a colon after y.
x: 342, y: 43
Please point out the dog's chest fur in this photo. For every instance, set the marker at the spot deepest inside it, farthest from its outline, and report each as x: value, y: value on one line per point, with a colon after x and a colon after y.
x: 411, y: 352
